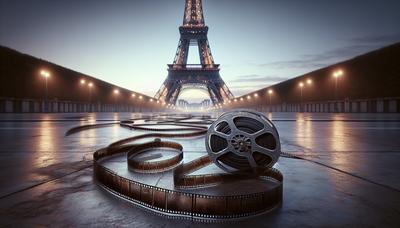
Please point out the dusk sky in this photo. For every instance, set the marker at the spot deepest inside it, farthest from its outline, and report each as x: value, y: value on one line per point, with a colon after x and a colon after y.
x: 257, y: 42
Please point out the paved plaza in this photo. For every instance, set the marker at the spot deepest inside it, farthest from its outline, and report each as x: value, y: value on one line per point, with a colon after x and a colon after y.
x: 348, y: 174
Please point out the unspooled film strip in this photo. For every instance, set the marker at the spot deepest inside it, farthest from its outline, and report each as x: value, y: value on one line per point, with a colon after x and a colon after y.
x: 182, y: 201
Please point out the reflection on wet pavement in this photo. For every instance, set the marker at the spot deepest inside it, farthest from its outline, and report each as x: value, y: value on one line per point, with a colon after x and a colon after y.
x: 46, y: 177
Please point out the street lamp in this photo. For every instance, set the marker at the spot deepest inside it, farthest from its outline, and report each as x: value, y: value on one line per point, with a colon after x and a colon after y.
x: 83, y: 83
x: 116, y: 93
x: 337, y: 74
x: 301, y: 85
x: 270, y: 92
x: 309, y: 82
x: 46, y: 75
x: 90, y: 85
x: 90, y: 91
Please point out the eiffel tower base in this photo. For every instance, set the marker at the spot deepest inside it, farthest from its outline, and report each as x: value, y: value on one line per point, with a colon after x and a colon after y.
x: 208, y: 78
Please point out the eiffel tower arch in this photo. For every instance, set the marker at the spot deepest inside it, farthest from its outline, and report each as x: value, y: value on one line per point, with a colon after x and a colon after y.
x: 193, y: 33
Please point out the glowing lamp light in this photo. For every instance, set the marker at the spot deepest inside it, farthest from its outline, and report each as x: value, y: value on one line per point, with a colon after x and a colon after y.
x: 256, y: 95
x: 338, y: 73
x: 116, y: 91
x: 140, y: 97
x: 83, y: 81
x: 270, y: 91
x: 301, y: 84
x: 309, y: 81
x: 90, y: 84
x: 45, y: 73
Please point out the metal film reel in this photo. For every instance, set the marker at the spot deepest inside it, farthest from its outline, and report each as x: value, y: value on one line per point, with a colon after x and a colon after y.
x: 198, y: 206
x: 243, y: 140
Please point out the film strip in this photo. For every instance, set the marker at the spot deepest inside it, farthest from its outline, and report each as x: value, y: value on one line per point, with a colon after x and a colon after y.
x: 182, y: 201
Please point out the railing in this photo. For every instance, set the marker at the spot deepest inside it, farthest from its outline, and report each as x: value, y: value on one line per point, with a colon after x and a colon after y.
x: 12, y: 105
x: 378, y: 105
x: 209, y: 67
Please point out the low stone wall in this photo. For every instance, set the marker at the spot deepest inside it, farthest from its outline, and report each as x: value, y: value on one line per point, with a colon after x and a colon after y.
x: 379, y: 105
x: 10, y: 105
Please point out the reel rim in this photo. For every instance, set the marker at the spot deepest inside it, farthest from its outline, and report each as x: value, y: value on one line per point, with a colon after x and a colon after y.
x: 231, y: 152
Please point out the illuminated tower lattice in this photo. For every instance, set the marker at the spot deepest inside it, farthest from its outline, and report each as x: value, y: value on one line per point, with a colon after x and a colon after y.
x: 204, y: 75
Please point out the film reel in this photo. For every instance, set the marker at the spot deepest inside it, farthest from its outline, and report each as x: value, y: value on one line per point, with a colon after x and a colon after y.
x: 243, y: 141
x: 182, y: 200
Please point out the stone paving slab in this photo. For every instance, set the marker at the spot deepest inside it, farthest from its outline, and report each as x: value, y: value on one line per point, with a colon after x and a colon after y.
x: 46, y: 178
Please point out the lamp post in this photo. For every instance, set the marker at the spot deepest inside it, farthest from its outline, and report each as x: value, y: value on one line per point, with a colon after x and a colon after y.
x: 270, y: 92
x: 82, y: 93
x: 337, y: 74
x: 309, y: 83
x: 46, y: 75
x: 90, y: 95
x: 301, y: 85
x: 116, y: 93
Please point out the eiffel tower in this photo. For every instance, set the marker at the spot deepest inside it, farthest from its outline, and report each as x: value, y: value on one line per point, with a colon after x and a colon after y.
x: 204, y: 75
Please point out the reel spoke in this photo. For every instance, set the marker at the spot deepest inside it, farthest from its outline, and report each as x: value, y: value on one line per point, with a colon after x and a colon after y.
x: 246, y: 140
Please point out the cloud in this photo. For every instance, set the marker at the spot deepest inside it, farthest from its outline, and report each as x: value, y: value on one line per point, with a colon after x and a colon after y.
x: 254, y: 78
x: 248, y: 83
x: 315, y: 61
x: 356, y: 46
x: 381, y: 39
x: 290, y: 64
x: 241, y: 90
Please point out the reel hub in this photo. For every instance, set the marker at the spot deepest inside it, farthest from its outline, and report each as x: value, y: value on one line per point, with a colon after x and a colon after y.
x: 243, y: 140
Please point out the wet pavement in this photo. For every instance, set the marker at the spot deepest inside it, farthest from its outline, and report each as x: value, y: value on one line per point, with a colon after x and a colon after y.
x: 350, y: 175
